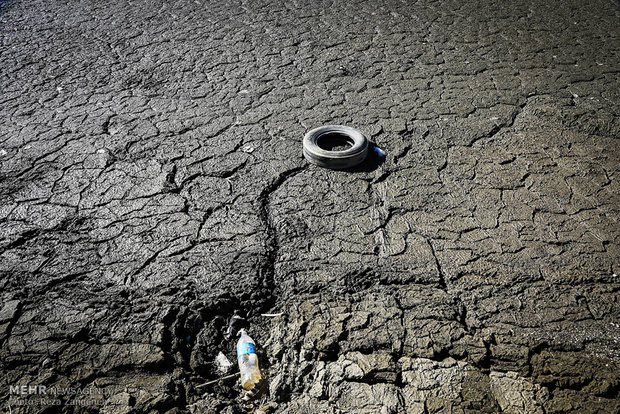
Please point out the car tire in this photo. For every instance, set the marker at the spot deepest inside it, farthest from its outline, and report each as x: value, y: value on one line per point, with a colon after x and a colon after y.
x: 318, y: 144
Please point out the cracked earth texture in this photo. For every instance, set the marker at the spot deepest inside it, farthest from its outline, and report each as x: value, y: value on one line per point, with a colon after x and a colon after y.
x: 152, y: 188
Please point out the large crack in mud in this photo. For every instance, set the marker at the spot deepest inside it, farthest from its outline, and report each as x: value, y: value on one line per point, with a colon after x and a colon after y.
x: 154, y: 200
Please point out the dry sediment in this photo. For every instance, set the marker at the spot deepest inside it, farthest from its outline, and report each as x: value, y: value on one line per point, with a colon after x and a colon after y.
x: 152, y: 187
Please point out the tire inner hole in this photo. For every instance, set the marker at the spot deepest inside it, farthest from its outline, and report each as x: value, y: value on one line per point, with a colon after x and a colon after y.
x: 334, y: 141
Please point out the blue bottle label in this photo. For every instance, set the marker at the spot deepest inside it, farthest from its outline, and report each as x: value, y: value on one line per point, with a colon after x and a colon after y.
x: 245, y: 348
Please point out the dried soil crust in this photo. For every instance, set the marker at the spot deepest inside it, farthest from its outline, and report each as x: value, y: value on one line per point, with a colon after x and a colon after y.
x: 153, y: 198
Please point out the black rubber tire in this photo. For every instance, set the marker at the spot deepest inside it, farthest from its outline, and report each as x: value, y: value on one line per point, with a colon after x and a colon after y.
x: 336, y: 160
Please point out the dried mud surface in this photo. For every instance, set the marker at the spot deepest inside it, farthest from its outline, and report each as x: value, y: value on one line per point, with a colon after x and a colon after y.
x: 153, y: 195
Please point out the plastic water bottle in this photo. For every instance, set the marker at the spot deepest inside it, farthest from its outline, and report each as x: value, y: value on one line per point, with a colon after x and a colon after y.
x: 248, y: 361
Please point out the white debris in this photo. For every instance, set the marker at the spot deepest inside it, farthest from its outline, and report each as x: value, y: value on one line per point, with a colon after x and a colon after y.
x: 223, y: 364
x: 272, y: 315
x: 248, y: 148
x: 2, y: 153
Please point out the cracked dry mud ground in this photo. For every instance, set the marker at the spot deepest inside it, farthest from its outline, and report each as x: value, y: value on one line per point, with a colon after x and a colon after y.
x: 152, y: 186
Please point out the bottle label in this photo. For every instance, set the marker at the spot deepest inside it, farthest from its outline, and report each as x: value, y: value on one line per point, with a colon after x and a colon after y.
x: 245, y: 348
